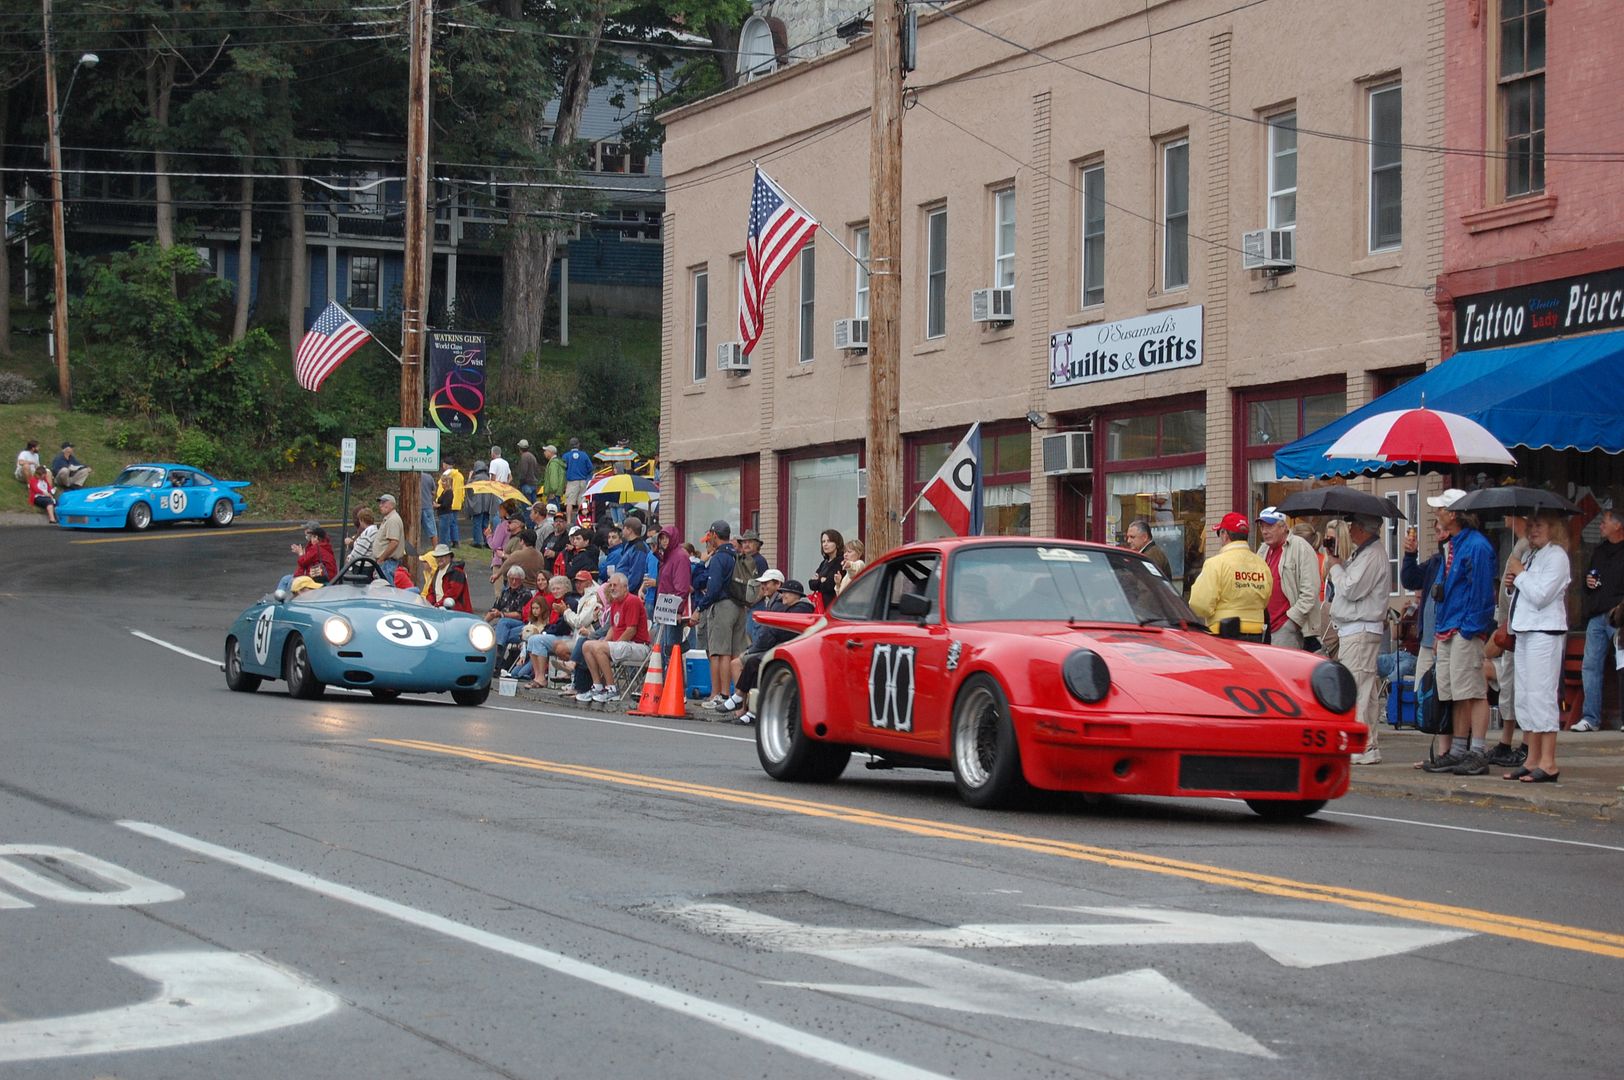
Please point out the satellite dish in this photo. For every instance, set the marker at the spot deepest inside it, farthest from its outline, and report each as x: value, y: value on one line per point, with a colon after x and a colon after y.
x: 758, y: 52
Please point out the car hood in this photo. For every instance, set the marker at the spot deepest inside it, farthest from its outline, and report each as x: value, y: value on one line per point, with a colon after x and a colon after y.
x: 91, y: 498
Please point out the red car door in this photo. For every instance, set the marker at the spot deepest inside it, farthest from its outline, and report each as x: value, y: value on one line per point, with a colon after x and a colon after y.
x: 900, y: 658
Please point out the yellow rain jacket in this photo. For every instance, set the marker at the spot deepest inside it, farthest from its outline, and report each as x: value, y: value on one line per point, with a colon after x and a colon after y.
x: 1236, y: 582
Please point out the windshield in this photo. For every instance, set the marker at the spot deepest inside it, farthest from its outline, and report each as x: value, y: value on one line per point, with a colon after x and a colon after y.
x: 375, y: 590
x: 141, y: 476
x: 1034, y: 583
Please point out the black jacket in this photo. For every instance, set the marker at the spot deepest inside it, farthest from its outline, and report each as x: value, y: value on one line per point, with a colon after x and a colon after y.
x: 1607, y: 561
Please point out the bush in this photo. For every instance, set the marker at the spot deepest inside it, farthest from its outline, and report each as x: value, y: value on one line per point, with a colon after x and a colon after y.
x: 15, y: 388
x: 197, y: 448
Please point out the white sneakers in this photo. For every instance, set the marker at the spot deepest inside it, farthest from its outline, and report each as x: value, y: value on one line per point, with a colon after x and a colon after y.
x: 598, y: 694
x: 1584, y: 725
x: 1373, y: 756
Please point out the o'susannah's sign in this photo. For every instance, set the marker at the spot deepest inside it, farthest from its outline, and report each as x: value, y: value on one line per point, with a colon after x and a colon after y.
x: 1138, y: 346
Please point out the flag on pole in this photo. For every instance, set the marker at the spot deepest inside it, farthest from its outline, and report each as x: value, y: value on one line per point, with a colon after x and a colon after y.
x: 778, y: 230
x: 955, y: 491
x: 331, y: 341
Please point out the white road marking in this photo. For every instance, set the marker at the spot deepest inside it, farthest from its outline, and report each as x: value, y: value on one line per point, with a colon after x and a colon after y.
x: 176, y: 648
x: 203, y: 997
x: 132, y: 890
x: 726, y: 1017
x: 1469, y: 829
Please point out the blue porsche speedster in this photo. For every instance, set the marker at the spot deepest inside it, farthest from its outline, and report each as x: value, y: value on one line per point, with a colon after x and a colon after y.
x: 362, y: 633
x: 153, y: 492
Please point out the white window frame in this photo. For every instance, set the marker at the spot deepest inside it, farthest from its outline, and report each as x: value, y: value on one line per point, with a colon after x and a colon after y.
x: 860, y: 245
x: 738, y: 296
x: 1183, y: 217
x: 1092, y: 186
x: 1396, y: 166
x: 935, y: 299
x: 377, y: 282
x: 1278, y: 125
x: 1003, y: 228
x: 807, y: 347
x: 700, y: 292
x: 1406, y: 501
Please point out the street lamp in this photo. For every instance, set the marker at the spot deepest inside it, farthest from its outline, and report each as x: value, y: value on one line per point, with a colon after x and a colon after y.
x: 59, y: 243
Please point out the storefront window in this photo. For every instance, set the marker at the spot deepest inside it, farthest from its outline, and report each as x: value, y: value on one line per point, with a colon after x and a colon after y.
x: 1006, y: 485
x: 1174, y: 501
x: 709, y: 495
x: 822, y: 495
x: 1274, y: 419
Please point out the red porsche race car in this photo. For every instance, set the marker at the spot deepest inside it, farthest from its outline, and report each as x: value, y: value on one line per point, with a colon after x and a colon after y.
x: 1050, y: 664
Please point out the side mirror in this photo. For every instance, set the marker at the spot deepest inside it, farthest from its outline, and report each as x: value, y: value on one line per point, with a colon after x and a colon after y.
x: 914, y: 605
x: 280, y: 596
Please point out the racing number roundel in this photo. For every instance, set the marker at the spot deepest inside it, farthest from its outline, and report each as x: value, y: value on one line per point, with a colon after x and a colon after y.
x: 408, y: 630
x: 891, y: 687
x: 177, y: 501
x: 262, y: 634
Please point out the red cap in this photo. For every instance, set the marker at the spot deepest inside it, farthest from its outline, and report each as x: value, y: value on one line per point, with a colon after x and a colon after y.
x: 1233, y: 523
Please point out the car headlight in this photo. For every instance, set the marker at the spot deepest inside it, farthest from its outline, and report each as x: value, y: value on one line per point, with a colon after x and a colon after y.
x: 337, y: 630
x: 1334, y: 687
x: 1086, y: 676
x: 482, y: 637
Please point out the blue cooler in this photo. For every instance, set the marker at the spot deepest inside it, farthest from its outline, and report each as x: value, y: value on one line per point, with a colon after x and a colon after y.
x: 1401, y: 707
x: 696, y: 671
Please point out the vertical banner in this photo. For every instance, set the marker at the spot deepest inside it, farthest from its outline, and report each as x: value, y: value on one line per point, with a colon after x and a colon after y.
x: 456, y: 382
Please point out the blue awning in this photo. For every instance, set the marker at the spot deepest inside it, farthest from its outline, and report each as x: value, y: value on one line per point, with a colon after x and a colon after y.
x: 1561, y: 394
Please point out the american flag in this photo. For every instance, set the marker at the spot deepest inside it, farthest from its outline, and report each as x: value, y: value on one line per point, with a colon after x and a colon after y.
x: 328, y: 344
x: 778, y: 230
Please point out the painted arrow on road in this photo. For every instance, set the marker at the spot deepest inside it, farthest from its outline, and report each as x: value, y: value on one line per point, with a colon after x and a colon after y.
x: 204, y: 996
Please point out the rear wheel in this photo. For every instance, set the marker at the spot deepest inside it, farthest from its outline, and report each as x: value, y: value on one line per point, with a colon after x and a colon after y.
x: 1285, y: 809
x: 140, y: 516
x: 236, y: 678
x: 471, y: 698
x: 384, y: 695
x: 986, y: 758
x: 296, y: 670
x: 224, y: 514
x: 786, y: 751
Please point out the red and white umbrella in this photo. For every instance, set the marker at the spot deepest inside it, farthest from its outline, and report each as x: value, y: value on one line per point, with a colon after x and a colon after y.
x: 1421, y: 435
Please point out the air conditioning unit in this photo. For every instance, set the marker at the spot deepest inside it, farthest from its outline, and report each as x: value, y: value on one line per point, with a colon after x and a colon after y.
x: 851, y: 334
x: 993, y: 305
x: 1068, y: 452
x: 1269, y: 249
x: 730, y: 356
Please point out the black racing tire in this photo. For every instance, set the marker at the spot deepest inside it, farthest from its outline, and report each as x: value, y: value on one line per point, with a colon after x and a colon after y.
x: 224, y: 513
x: 236, y: 678
x: 784, y: 748
x: 471, y: 698
x: 986, y: 757
x: 296, y: 670
x: 1285, y: 809
x: 140, y: 517
x: 381, y: 694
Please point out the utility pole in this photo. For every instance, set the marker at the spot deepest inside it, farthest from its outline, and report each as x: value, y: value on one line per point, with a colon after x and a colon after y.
x: 415, y: 287
x: 885, y: 283
x: 59, y: 240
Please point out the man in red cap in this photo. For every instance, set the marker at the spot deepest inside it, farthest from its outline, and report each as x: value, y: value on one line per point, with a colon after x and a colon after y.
x: 1235, y: 583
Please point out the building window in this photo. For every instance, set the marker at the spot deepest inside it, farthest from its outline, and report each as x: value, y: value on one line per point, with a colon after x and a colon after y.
x: 936, y: 274
x: 1176, y: 214
x: 1273, y: 419
x: 643, y: 225
x: 613, y: 157
x: 1003, y: 240
x: 738, y: 299
x: 701, y: 324
x: 711, y: 495
x: 859, y: 306
x: 1386, y: 167
x: 363, y: 281
x: 1522, y: 95
x: 821, y: 494
x: 1155, y: 468
x: 1006, y: 481
x: 1093, y: 236
x: 809, y: 282
x: 1283, y: 171
x: 1393, y: 535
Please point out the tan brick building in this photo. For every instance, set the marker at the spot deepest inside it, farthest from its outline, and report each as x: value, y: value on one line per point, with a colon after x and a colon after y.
x: 1113, y: 220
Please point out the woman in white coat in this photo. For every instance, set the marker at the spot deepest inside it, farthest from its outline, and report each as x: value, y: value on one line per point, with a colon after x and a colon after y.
x: 1539, y: 620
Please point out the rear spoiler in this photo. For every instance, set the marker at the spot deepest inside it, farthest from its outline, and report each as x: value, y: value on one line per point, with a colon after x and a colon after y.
x: 233, y: 483
x: 798, y: 621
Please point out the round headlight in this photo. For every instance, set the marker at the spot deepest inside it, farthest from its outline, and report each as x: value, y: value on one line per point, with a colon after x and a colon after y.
x: 1334, y: 687
x: 1086, y: 676
x: 337, y: 630
x: 482, y: 637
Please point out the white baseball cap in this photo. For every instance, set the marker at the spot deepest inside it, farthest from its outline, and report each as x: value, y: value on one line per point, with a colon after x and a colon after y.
x: 1446, y: 500
x: 772, y: 575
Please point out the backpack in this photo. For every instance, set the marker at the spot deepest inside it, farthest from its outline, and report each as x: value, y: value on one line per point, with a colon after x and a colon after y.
x: 1433, y: 715
x: 742, y: 587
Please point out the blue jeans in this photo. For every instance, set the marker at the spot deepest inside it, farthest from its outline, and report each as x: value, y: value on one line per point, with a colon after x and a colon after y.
x: 448, y: 528
x: 507, y: 631
x: 529, y: 491
x: 1598, y: 658
x: 480, y: 523
x: 388, y: 567
x: 1384, y: 665
x: 430, y: 526
x: 583, y: 677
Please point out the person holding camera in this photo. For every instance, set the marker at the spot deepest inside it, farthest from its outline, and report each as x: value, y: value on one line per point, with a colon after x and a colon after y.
x: 1360, y: 586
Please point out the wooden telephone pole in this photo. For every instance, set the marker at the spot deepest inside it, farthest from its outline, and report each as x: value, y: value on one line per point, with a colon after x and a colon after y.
x: 415, y: 287
x: 59, y: 243
x: 885, y: 283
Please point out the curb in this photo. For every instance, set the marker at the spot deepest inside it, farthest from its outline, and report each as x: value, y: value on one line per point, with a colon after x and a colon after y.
x: 1601, y: 807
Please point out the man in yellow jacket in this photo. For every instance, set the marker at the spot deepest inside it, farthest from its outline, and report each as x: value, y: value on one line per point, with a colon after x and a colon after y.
x: 448, y: 496
x: 1235, y: 583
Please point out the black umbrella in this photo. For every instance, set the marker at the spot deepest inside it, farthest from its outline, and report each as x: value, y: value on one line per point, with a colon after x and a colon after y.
x: 1518, y: 501
x: 1338, y: 499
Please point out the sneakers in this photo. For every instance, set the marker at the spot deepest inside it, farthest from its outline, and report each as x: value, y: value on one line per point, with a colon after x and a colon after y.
x: 715, y: 702
x: 1373, y: 756
x: 1475, y: 763
x: 589, y: 695
x: 1585, y: 725
x: 1446, y: 763
x: 1507, y: 755
x: 607, y: 693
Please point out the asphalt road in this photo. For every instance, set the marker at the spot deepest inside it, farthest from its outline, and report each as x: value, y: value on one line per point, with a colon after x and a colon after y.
x: 195, y: 883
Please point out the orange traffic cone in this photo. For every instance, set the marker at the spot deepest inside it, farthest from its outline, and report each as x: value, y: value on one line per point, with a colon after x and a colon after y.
x: 674, y: 697
x: 653, y: 683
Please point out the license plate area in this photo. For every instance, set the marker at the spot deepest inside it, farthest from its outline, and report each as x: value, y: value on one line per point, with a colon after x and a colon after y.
x: 1199, y: 772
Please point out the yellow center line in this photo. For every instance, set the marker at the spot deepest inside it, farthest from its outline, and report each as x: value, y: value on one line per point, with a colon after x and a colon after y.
x: 1578, y: 939
x: 190, y: 534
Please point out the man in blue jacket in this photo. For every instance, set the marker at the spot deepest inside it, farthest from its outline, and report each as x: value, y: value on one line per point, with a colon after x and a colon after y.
x: 1465, y: 593
x: 723, y: 615
x: 577, y: 473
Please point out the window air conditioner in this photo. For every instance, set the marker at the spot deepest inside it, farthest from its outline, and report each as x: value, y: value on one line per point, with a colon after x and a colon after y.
x: 993, y: 305
x: 851, y: 334
x: 1068, y: 452
x: 1269, y: 249
x: 730, y: 356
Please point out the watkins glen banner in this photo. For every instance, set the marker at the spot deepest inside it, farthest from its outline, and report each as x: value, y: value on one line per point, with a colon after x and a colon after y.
x: 456, y: 381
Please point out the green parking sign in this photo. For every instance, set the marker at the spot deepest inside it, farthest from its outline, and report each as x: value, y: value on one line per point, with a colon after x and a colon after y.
x: 412, y: 449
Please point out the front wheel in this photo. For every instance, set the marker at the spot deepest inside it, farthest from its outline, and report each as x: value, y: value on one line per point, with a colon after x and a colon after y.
x: 224, y: 514
x: 296, y: 671
x: 786, y: 751
x: 471, y: 698
x: 140, y: 517
x: 236, y: 678
x: 1285, y: 809
x: 986, y: 757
